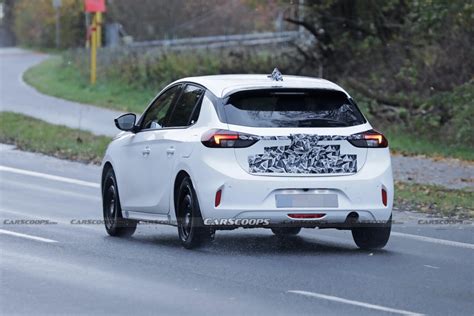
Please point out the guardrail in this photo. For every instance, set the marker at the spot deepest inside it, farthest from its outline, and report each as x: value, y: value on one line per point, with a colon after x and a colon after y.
x: 223, y: 40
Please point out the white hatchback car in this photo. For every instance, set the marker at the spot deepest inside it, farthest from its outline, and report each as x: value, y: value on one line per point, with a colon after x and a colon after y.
x: 228, y: 151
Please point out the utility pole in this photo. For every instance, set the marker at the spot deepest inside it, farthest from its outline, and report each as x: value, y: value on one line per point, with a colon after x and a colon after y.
x: 95, y: 8
x: 94, y: 49
x: 98, y: 17
x: 57, y: 6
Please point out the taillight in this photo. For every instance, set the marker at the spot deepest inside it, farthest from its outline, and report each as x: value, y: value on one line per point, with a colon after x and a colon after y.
x: 384, y: 197
x: 369, y: 139
x: 218, y: 138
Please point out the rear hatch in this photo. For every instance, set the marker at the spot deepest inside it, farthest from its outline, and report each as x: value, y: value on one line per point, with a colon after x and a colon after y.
x: 297, y: 132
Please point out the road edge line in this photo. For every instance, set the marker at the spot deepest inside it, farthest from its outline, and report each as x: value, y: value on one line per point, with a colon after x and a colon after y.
x: 49, y: 176
x: 355, y: 303
x: 10, y: 233
x: 444, y: 242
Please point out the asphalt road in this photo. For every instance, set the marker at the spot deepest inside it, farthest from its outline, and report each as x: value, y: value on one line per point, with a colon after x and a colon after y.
x: 17, y: 96
x: 67, y: 268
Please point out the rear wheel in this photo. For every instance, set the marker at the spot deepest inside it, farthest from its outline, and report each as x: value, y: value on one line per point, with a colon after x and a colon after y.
x: 115, y: 224
x: 286, y: 231
x: 372, y: 237
x: 191, y: 229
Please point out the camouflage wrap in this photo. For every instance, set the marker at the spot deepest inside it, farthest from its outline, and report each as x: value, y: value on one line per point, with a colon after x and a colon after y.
x: 303, y: 156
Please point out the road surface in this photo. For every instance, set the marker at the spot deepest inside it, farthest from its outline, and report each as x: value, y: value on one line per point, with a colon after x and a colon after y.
x: 71, y: 268
x: 17, y: 96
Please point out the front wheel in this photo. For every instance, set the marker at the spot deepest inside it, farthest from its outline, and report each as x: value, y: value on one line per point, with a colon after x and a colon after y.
x: 115, y: 224
x: 191, y: 229
x: 372, y: 237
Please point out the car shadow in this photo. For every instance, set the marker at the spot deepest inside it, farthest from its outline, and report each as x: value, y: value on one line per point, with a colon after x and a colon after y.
x: 252, y: 244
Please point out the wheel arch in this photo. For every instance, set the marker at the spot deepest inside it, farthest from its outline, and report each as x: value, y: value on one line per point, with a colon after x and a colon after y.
x: 182, y: 174
x: 105, y: 169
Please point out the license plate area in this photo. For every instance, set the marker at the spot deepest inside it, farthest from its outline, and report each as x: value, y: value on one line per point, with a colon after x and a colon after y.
x: 306, y: 200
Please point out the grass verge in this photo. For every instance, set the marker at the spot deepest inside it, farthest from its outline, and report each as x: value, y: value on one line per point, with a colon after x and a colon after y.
x: 56, y: 78
x: 34, y: 135
x: 434, y: 200
x: 407, y: 144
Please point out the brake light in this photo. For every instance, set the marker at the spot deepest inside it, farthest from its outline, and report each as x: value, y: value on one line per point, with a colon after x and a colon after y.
x: 370, y: 139
x: 306, y: 215
x: 218, y: 138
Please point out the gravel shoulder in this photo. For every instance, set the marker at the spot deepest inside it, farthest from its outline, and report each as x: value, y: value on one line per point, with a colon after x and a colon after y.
x: 449, y: 173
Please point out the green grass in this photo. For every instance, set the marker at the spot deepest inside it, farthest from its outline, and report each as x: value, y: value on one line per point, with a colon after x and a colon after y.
x: 38, y: 136
x: 409, y: 144
x: 56, y: 78
x: 434, y: 200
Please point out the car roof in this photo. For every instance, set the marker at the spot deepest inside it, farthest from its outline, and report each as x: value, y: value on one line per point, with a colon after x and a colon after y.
x: 223, y: 85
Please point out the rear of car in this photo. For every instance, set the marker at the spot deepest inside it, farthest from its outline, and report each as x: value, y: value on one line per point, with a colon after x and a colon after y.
x: 227, y: 151
x: 302, y: 157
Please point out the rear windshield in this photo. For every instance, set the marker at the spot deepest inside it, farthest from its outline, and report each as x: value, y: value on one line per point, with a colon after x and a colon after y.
x: 308, y: 108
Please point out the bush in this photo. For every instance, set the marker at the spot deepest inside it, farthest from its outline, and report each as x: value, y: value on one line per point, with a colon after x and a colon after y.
x: 35, y: 23
x: 156, y: 68
x: 460, y: 126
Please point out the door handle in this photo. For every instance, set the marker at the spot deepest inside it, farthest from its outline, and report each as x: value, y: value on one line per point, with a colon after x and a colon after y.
x: 146, y: 151
x: 170, y: 150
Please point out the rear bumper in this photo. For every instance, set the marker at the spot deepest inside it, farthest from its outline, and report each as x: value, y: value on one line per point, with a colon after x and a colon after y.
x: 246, y: 196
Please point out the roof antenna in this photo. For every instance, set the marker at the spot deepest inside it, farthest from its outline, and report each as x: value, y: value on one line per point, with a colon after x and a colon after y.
x: 276, y: 75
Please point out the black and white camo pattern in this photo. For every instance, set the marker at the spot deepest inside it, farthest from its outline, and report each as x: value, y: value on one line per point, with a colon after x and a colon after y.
x: 303, y: 155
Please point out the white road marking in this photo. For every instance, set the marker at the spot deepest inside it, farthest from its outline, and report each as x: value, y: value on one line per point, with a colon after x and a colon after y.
x: 434, y: 240
x: 7, y: 232
x: 49, y: 177
x: 355, y: 303
x: 431, y: 267
x: 36, y: 187
x: 403, y: 235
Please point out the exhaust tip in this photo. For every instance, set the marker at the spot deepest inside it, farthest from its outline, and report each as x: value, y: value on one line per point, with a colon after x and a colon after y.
x: 352, y: 218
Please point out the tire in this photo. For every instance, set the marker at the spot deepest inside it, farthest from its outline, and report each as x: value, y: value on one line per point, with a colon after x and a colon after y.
x: 191, y: 230
x: 115, y: 224
x: 372, y: 237
x: 286, y: 231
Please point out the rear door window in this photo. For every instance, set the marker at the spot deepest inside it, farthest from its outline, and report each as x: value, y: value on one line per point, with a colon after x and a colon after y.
x: 187, y: 107
x: 297, y: 108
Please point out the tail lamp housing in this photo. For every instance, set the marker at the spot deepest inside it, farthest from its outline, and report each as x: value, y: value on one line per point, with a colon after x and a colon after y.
x: 370, y: 139
x: 219, y: 138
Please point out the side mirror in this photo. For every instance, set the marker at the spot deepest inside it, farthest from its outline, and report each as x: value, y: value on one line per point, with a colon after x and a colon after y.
x: 126, y: 122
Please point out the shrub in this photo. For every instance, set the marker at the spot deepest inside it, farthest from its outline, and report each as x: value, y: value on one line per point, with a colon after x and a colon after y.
x: 34, y: 24
x: 156, y: 68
